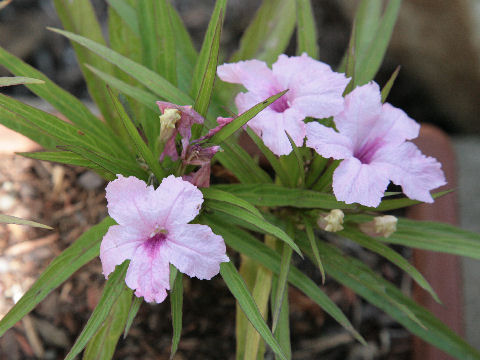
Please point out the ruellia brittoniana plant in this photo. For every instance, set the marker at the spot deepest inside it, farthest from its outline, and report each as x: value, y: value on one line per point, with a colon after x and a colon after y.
x: 331, y: 144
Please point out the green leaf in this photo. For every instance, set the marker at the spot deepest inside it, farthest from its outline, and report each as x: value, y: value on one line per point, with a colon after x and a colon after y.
x: 241, y: 164
x: 379, y: 292
x: 7, y: 219
x: 102, y: 345
x: 18, y: 80
x: 176, y: 303
x: 436, y: 237
x: 204, y: 94
x: 269, y: 33
x: 203, y: 59
x: 136, y: 303
x: 281, y: 287
x: 78, y: 16
x: 219, y: 195
x: 315, y: 170
x: 273, y: 159
x: 242, y: 119
x: 367, y: 20
x: 306, y: 32
x: 84, y: 249
x: 111, y: 165
x: 142, y: 148
x: 313, y: 245
x: 127, y: 13
x: 254, y: 220
x: 388, y: 86
x: 239, y: 290
x: 64, y: 102
x: 369, y: 62
x: 298, y: 180
x: 62, y: 157
x: 275, y: 195
x: 248, y: 245
x: 391, y: 255
x: 142, y: 96
x: 112, y: 293
x: 158, y: 41
x: 393, y: 204
x: 156, y: 83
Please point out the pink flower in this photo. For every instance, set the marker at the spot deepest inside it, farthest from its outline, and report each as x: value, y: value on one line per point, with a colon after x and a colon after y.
x: 188, y: 117
x: 372, y: 141
x: 153, y: 232
x: 313, y: 90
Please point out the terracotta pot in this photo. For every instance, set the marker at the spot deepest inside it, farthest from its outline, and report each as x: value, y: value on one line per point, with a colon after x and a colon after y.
x: 443, y: 271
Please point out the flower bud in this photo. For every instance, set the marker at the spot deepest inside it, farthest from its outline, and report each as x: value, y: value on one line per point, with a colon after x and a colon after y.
x: 332, y: 221
x: 384, y: 226
x: 167, y: 123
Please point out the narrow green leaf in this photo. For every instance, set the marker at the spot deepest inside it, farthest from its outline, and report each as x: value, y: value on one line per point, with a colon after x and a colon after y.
x: 84, y: 249
x: 369, y: 62
x: 367, y: 20
x: 127, y: 13
x: 7, y: 219
x: 246, y: 244
x: 273, y: 159
x: 158, y: 41
x: 379, y: 292
x: 436, y: 237
x: 62, y: 157
x: 142, y: 148
x: 298, y: 163
x: 256, y: 221
x: 142, y: 96
x: 281, y: 284
x: 393, y: 204
x: 18, y: 80
x: 202, y: 62
x: 112, y: 293
x: 239, y: 290
x: 324, y: 184
x: 176, y: 303
x: 109, y: 164
x: 313, y: 244
x: 242, y: 119
x: 79, y: 17
x: 315, y: 170
x: 204, y: 94
x: 156, y: 83
x: 241, y: 164
x: 219, y: 195
x: 60, y: 99
x: 391, y: 255
x: 275, y: 195
x: 136, y: 303
x: 269, y: 33
x: 103, y: 344
x: 306, y: 32
x: 388, y: 86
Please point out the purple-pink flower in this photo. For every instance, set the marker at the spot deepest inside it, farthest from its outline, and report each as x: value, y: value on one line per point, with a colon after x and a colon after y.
x: 372, y: 140
x: 314, y: 90
x: 153, y: 232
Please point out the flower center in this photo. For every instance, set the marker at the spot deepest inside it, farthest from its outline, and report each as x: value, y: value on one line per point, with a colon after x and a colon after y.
x: 280, y: 105
x: 366, y: 152
x: 157, y: 238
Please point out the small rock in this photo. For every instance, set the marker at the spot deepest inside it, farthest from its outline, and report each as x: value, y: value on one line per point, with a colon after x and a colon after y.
x: 90, y: 180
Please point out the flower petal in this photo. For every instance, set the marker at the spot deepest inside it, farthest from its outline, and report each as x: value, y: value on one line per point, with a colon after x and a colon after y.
x: 327, y: 142
x: 196, y: 251
x: 254, y: 75
x: 397, y: 124
x: 409, y: 168
x: 178, y: 202
x: 118, y: 245
x: 129, y: 203
x: 354, y: 182
x: 149, y: 272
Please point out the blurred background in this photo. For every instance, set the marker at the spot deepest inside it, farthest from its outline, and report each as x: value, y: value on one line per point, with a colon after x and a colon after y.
x: 436, y: 43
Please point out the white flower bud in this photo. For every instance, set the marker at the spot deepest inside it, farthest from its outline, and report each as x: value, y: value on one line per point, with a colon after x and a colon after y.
x: 384, y: 226
x: 167, y: 123
x: 332, y: 221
